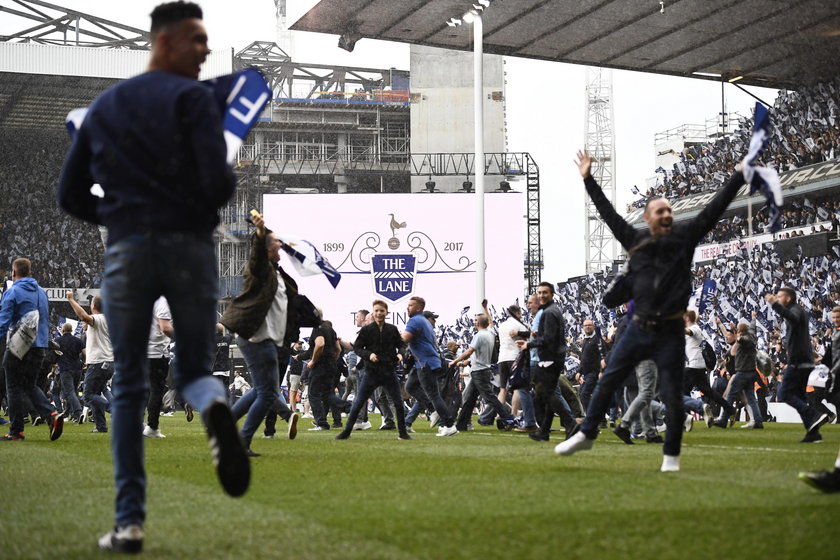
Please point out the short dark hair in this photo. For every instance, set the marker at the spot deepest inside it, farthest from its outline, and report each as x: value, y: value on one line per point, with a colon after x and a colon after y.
x: 692, y: 315
x: 548, y: 285
x: 364, y: 312
x: 483, y: 321
x: 514, y: 310
x: 374, y: 304
x: 96, y: 303
x: 173, y: 12
x: 22, y: 267
x: 420, y: 301
x: 651, y: 199
x: 790, y: 292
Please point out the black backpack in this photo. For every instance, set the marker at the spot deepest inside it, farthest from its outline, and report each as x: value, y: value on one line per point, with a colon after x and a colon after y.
x: 709, y: 356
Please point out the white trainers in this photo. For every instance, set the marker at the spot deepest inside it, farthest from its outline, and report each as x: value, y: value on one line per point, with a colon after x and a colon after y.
x: 434, y: 419
x: 150, y: 433
x: 689, y: 422
x: 444, y: 431
x: 362, y: 426
x: 578, y: 442
x: 670, y: 463
x: 128, y: 539
x: 748, y: 426
x: 708, y: 415
x: 317, y: 429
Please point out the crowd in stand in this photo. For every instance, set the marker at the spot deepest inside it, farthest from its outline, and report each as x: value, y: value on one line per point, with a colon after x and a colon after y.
x: 806, y: 130
x: 798, y: 218
x: 68, y: 252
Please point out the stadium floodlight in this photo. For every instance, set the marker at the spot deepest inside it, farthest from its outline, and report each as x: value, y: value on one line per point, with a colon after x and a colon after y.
x: 467, y: 186
x: 430, y: 185
x: 504, y: 186
x: 470, y: 16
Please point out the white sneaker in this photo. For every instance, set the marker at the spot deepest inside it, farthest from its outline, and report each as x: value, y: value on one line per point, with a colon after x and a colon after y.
x: 316, y: 429
x: 578, y: 442
x: 444, y: 431
x: 307, y: 415
x: 670, y: 463
x: 366, y: 426
x: 749, y: 425
x: 708, y: 415
x: 689, y: 422
x: 150, y: 433
x: 434, y: 419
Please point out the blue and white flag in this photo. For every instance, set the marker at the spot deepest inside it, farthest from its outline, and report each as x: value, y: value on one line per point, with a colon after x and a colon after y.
x: 763, y: 179
x: 707, y: 295
x: 307, y: 260
x: 241, y: 97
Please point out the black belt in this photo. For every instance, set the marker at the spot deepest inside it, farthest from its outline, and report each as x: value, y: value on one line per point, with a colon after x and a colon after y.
x: 658, y: 323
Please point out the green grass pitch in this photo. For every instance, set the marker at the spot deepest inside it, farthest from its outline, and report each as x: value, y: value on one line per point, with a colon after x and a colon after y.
x: 481, y: 494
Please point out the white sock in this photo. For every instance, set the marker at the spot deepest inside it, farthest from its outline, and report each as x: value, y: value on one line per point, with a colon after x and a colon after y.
x: 670, y: 463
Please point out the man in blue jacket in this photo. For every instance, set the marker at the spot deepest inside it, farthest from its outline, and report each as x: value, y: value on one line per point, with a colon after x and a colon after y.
x: 155, y: 145
x: 24, y: 296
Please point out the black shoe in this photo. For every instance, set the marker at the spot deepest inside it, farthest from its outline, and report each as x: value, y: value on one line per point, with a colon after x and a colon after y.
x: 405, y: 436
x: 825, y: 481
x: 56, y: 426
x: 229, y: 453
x: 343, y: 435
x: 655, y: 439
x: 250, y: 453
x: 293, y: 422
x: 812, y: 437
x: 720, y: 423
x: 337, y: 425
x: 538, y: 436
x: 37, y: 421
x: 127, y: 540
x: 505, y: 425
x: 188, y: 410
x: 623, y: 434
x: 387, y: 426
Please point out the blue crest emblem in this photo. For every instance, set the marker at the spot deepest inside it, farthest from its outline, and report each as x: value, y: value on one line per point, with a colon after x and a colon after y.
x: 393, y: 274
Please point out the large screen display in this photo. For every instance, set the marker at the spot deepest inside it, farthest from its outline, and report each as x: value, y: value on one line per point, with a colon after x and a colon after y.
x: 394, y: 246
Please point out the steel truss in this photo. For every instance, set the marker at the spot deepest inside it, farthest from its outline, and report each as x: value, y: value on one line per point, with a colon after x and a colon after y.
x: 599, y: 137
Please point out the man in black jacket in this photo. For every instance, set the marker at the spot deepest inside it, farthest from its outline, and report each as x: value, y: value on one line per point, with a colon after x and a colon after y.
x: 590, y: 360
x: 549, y: 345
x: 800, y: 361
x: 660, y: 285
x: 381, y: 346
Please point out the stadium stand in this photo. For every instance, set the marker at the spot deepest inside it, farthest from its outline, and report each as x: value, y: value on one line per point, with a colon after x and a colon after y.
x: 806, y: 130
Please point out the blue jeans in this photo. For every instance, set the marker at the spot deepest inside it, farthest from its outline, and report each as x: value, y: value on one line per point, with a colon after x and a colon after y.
x: 792, y: 392
x: 96, y: 380
x: 429, y: 382
x: 261, y: 358
x: 139, y: 269
x: 20, y: 383
x: 666, y: 347
x: 526, y: 403
x: 370, y: 381
x: 69, y: 380
x: 744, y: 381
x: 479, y: 386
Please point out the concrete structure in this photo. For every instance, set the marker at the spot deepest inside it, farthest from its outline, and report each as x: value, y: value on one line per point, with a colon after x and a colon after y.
x: 442, y: 109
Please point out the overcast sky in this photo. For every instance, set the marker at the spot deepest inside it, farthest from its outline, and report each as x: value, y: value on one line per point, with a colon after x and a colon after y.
x: 545, y: 106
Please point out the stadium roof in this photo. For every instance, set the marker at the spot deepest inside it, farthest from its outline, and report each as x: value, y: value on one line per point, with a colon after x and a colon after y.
x: 771, y: 43
x: 39, y: 101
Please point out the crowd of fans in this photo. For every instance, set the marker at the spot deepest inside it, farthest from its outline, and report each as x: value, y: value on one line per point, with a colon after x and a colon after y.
x: 806, y: 130
x: 798, y: 218
x: 65, y: 252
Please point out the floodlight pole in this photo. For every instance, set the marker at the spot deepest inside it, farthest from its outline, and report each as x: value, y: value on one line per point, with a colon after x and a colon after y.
x: 478, y: 102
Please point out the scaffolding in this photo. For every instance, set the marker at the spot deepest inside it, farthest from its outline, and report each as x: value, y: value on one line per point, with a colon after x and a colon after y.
x: 599, y: 139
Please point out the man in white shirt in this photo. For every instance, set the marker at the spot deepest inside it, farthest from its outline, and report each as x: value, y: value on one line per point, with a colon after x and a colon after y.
x: 99, y: 357
x: 695, y: 372
x: 160, y: 336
